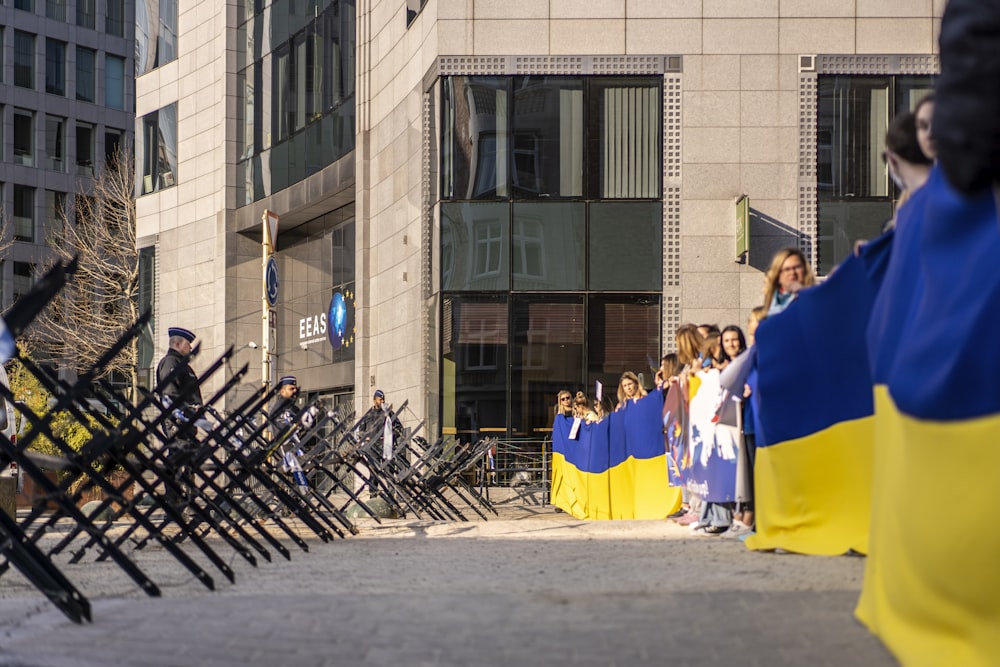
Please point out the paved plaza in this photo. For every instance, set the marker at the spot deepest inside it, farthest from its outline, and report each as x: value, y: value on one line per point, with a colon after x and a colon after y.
x: 535, y: 587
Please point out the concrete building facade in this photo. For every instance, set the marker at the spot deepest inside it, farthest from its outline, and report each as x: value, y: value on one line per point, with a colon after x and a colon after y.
x: 66, y: 106
x: 534, y: 193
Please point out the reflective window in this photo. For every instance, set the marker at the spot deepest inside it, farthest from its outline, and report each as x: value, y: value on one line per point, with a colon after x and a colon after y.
x: 155, y: 34
x: 624, y: 132
x: 626, y: 241
x: 297, y: 104
x: 24, y: 138
x: 854, y: 191
x: 26, y: 5
x: 24, y: 59
x: 475, y: 246
x: 114, y: 19
x: 547, y: 344
x: 474, y: 365
x: 86, y: 13
x: 55, y: 210
x: 55, y: 9
x: 24, y: 278
x: 85, y: 61
x: 474, y: 151
x: 114, y: 141
x: 24, y: 213
x: 55, y: 137
x: 55, y: 67
x: 147, y: 302
x: 85, y: 149
x: 623, y: 333
x: 548, y: 246
x: 114, y: 82
x: 158, y: 150
x: 547, y: 137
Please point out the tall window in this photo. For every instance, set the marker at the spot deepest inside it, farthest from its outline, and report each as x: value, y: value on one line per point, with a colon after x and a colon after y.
x: 55, y: 141
x: 114, y: 82
x: 26, y: 5
x: 24, y: 59
x: 147, y: 297
x: 158, y: 157
x: 114, y: 19
x: 114, y: 141
x: 855, y: 193
x: 85, y: 149
x: 55, y: 9
x: 55, y: 67
x: 24, y: 276
x: 85, y: 61
x: 24, y: 138
x: 551, y: 240
x: 55, y: 210
x: 155, y: 34
x: 86, y: 13
x: 24, y: 213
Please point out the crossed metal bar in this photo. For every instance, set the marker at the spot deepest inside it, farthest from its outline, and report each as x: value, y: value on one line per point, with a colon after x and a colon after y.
x: 204, y: 476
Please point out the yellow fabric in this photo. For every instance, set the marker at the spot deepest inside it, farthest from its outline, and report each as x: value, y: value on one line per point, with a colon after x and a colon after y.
x: 932, y: 579
x: 635, y: 489
x: 812, y: 495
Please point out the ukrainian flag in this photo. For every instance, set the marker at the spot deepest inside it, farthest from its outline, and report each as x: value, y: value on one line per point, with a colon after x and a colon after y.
x: 932, y: 581
x: 813, y: 470
x: 616, y: 468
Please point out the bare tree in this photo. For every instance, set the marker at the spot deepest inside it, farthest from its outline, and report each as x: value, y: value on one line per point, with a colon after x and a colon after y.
x: 102, y: 300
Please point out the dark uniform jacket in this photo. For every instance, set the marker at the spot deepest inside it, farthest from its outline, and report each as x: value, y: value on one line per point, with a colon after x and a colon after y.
x: 183, y: 391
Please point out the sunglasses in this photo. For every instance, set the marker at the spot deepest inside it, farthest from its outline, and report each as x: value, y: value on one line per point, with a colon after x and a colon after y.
x: 565, y: 398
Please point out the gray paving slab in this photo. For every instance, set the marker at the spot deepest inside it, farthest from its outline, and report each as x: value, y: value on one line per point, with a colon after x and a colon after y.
x: 536, y: 587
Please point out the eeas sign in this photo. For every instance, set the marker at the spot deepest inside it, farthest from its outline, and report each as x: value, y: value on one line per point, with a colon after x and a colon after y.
x: 742, y: 227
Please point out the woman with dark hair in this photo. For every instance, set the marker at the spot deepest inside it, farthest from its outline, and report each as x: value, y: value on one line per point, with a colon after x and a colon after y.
x: 733, y: 341
x: 908, y: 167
x: 924, y: 115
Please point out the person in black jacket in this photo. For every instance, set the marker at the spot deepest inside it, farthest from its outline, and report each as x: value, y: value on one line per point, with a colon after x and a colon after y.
x: 284, y: 411
x: 183, y: 391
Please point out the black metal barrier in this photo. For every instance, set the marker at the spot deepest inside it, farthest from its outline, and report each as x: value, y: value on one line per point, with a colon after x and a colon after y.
x: 210, y: 479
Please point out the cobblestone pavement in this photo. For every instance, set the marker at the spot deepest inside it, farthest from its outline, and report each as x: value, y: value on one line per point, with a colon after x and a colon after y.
x: 533, y: 588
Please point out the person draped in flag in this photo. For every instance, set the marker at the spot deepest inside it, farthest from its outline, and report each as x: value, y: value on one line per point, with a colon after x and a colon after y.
x: 789, y: 273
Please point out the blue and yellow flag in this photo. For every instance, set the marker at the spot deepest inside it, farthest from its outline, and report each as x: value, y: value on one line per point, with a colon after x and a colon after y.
x: 812, y: 475
x: 932, y: 583
x: 616, y: 468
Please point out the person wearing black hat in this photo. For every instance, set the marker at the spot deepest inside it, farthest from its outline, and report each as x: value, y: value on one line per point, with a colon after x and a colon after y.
x: 183, y: 390
x: 283, y: 410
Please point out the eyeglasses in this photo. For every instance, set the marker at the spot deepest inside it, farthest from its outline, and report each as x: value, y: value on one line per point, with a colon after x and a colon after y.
x: 789, y: 269
x: 564, y: 398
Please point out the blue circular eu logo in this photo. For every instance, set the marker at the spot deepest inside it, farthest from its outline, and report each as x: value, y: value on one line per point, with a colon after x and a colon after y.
x: 337, y: 318
x: 271, y: 281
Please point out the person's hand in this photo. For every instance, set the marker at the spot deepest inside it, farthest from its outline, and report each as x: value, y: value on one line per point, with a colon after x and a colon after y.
x: 747, y: 391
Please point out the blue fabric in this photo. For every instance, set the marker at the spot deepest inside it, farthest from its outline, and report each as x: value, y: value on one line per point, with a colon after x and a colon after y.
x: 634, y: 431
x: 813, y: 357
x: 941, y: 361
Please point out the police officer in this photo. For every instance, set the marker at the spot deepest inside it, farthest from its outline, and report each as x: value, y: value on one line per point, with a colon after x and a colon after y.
x: 183, y: 390
x: 284, y: 411
x: 184, y: 396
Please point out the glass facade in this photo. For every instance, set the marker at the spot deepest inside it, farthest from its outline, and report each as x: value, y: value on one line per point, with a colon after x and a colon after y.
x: 551, y: 239
x: 155, y: 34
x: 855, y: 194
x: 296, y: 82
x: 316, y: 263
x: 157, y: 152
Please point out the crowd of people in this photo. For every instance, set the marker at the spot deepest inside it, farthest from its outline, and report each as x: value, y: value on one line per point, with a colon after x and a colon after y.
x: 702, y: 350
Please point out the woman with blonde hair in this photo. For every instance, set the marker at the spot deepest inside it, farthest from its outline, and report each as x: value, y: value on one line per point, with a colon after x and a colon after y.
x: 789, y: 273
x: 564, y: 403
x: 629, y: 388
